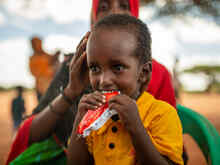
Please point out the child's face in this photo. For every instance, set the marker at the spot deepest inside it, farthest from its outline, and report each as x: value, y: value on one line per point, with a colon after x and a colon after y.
x: 112, y: 66
x: 108, y: 7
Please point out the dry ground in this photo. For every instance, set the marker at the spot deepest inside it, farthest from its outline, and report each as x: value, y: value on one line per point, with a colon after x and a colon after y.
x: 205, y: 104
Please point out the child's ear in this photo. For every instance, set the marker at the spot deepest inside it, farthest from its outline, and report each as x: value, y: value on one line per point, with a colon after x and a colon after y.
x: 145, y: 75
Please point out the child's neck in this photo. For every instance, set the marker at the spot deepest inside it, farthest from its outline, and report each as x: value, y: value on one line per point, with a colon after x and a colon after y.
x: 138, y: 95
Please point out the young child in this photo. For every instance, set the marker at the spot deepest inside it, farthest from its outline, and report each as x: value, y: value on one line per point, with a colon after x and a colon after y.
x: 147, y: 130
x: 160, y: 85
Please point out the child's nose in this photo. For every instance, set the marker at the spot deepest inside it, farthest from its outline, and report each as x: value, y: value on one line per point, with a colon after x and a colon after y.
x: 106, y: 81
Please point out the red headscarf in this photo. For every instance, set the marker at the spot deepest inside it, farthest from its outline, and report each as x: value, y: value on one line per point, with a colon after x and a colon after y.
x: 134, y: 6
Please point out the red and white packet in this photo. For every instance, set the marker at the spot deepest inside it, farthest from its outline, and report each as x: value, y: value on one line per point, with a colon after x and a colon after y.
x: 95, y: 119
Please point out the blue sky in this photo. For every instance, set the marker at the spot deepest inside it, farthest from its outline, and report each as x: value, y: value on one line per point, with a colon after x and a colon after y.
x: 61, y: 24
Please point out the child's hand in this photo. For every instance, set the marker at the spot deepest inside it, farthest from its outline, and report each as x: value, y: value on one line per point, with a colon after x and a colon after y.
x: 127, y: 110
x: 90, y: 102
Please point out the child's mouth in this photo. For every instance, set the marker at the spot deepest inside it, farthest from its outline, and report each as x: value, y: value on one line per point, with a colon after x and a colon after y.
x: 109, y: 91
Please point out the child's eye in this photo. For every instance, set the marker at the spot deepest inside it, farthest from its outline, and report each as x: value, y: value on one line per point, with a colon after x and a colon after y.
x: 94, y: 69
x: 118, y: 67
x: 103, y: 6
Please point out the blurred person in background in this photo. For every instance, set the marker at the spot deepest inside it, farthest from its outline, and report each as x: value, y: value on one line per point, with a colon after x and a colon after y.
x: 53, y: 118
x: 43, y: 66
x: 17, y: 108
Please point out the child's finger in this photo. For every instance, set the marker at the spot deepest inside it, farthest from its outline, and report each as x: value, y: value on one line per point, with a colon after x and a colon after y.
x: 87, y: 106
x: 93, y: 99
x: 115, y: 106
x: 116, y: 99
x: 100, y: 97
x: 121, y: 99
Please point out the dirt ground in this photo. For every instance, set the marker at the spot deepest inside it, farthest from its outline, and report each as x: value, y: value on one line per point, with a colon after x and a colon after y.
x: 205, y: 104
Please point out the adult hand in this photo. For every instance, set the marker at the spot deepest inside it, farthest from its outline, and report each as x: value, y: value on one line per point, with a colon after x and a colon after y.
x: 78, y: 76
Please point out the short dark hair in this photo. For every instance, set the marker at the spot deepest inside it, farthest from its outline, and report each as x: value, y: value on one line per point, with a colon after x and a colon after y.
x: 134, y: 26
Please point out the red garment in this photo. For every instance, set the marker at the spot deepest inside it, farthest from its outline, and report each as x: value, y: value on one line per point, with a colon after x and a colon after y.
x: 134, y: 6
x: 21, y: 140
x: 160, y: 85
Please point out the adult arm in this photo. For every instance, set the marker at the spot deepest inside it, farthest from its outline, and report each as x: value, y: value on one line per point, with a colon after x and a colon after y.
x: 46, y: 121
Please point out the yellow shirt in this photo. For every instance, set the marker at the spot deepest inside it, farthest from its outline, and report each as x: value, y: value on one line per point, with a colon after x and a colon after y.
x: 111, y: 144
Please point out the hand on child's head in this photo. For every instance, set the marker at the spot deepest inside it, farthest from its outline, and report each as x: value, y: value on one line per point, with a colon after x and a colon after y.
x: 78, y: 76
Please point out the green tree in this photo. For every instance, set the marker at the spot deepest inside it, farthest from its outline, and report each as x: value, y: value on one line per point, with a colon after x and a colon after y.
x: 211, y: 71
x: 205, y: 9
